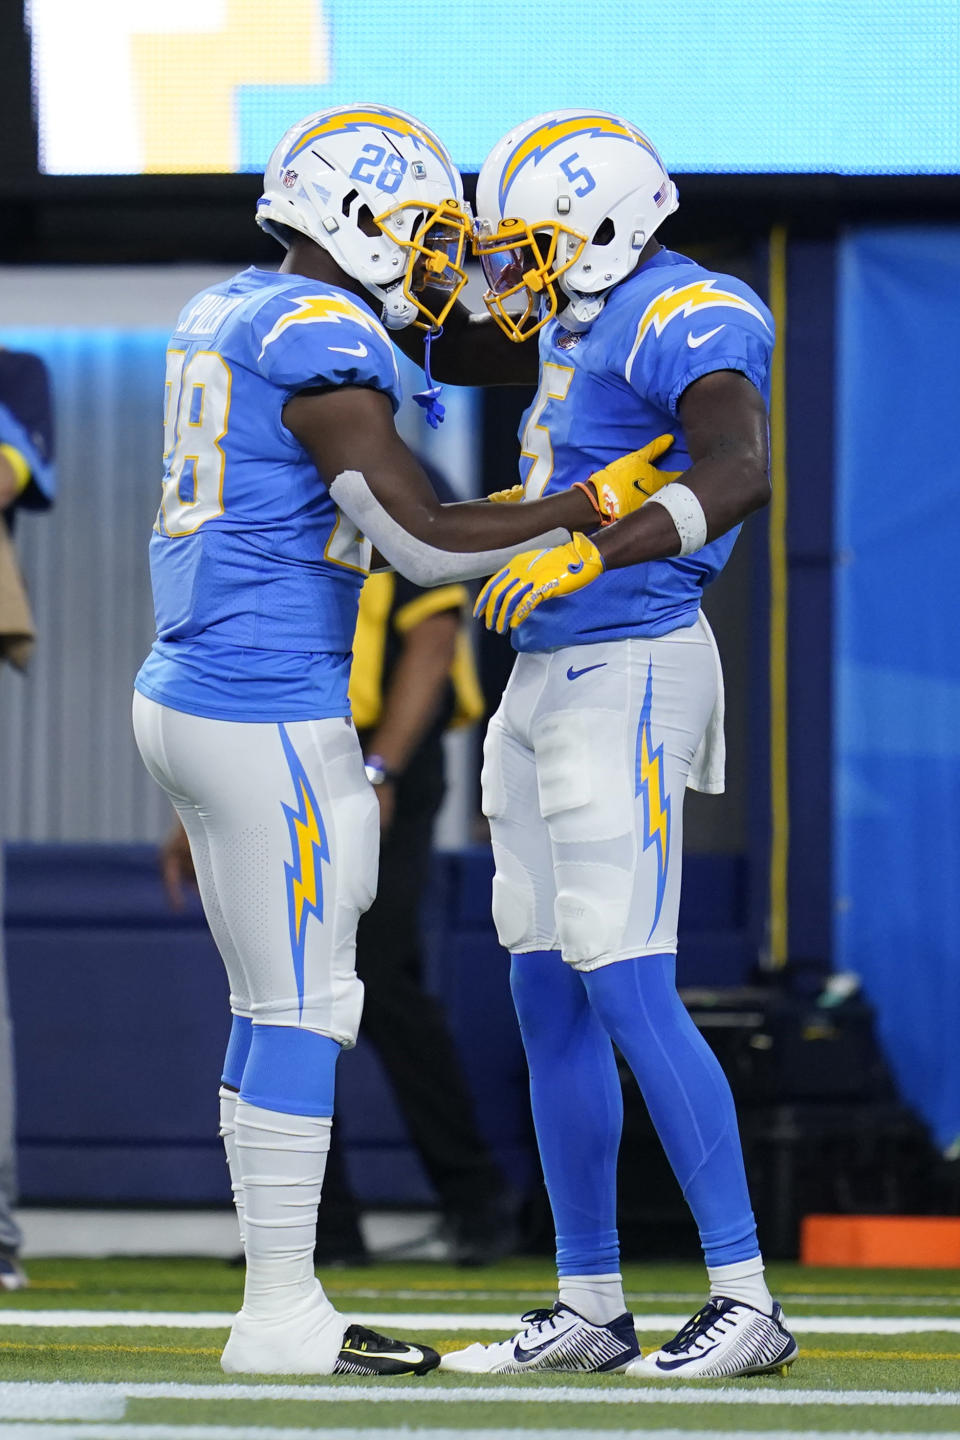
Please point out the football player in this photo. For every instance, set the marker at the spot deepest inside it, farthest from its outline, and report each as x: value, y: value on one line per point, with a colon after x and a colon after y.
x: 282, y: 464
x: 614, y: 706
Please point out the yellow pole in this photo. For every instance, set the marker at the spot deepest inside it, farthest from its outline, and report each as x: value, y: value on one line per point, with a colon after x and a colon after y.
x: 779, y: 779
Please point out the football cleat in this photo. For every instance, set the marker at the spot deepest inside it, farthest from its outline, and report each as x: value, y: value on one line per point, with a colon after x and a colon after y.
x: 12, y: 1274
x: 557, y: 1339
x: 364, y: 1352
x: 306, y: 1340
x: 725, y: 1339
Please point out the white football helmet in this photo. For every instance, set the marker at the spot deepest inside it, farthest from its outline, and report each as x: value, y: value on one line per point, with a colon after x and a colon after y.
x: 378, y: 191
x: 570, y: 199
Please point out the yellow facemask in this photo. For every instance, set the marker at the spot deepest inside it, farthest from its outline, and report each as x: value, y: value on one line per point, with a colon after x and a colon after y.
x: 435, y: 261
x: 520, y: 260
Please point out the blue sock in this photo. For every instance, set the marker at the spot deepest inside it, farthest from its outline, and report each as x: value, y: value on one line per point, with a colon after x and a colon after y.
x: 577, y: 1109
x: 686, y: 1093
x: 290, y: 1070
x: 238, y: 1048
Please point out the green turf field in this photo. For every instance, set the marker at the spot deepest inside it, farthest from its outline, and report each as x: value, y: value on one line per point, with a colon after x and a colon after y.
x: 880, y: 1354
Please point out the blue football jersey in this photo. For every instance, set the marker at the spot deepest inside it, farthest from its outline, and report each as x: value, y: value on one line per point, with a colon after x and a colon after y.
x: 256, y: 575
x: 615, y: 388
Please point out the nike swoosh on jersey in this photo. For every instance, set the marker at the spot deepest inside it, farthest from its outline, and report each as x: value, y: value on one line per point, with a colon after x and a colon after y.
x: 695, y: 341
x: 358, y: 350
x: 575, y: 674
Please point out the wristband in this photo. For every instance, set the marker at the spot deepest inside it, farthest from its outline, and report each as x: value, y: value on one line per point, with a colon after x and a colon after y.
x: 375, y: 769
x: 588, y: 490
x: 686, y: 512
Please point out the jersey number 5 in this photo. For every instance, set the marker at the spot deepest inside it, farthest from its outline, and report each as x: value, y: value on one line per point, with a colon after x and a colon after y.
x: 535, y: 441
x: 196, y: 409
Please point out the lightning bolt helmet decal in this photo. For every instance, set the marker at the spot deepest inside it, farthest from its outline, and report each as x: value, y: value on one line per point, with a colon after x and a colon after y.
x: 546, y: 191
x: 335, y: 172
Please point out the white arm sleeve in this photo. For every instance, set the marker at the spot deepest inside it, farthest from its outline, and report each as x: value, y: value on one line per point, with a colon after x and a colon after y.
x: 418, y: 560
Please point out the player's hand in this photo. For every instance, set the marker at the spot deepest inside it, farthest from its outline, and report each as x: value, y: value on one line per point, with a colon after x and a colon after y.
x: 513, y: 496
x: 537, y: 575
x: 176, y: 863
x: 625, y: 484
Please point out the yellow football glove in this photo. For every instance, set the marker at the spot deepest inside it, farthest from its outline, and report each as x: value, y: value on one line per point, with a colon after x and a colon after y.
x: 513, y: 496
x: 509, y: 596
x: 622, y: 486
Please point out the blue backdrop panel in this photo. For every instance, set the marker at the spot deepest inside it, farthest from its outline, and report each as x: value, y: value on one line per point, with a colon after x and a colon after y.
x: 897, y: 737
x: 120, y: 1020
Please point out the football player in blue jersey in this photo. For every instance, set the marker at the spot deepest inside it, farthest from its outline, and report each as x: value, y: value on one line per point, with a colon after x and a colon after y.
x: 614, y: 706
x: 282, y: 465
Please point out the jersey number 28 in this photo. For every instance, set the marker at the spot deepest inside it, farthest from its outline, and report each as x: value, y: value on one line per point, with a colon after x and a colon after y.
x: 196, y: 409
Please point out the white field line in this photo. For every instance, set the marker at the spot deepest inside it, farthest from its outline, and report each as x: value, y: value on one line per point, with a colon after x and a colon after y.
x: 620, y: 1393
x: 444, y: 1321
x: 272, y: 1432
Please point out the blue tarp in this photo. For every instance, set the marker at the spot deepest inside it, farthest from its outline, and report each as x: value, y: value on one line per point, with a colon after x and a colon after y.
x: 897, y: 651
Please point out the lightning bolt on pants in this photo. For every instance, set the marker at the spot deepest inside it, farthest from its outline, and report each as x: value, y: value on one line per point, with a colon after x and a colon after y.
x: 585, y: 767
x: 283, y: 829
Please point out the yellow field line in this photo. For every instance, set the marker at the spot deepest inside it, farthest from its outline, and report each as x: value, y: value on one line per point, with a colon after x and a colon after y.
x: 54, y: 1284
x: 807, y: 1352
x: 112, y: 1349
x: 810, y: 1354
x: 778, y: 639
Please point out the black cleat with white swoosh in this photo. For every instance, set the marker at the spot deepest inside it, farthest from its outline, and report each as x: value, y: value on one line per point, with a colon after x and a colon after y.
x: 364, y: 1352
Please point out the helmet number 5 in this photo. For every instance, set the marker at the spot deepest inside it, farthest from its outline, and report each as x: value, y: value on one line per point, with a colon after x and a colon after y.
x: 372, y: 157
x: 582, y: 174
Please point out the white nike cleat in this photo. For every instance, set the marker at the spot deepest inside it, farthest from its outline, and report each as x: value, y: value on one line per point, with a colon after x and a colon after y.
x: 724, y: 1339
x: 557, y: 1339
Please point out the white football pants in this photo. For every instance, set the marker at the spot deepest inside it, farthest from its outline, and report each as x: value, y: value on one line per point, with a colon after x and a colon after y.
x: 585, y: 766
x: 284, y: 832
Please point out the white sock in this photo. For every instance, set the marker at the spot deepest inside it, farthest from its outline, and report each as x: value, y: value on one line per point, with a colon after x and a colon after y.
x: 598, y: 1298
x: 742, y: 1281
x: 281, y: 1160
x: 228, y: 1134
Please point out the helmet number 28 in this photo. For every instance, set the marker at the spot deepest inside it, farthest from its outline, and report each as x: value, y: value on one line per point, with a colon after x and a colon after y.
x: 392, y: 168
x: 582, y: 174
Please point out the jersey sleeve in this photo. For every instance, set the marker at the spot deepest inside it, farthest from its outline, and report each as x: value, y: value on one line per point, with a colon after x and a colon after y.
x: 26, y: 422
x: 307, y: 338
x: 685, y: 333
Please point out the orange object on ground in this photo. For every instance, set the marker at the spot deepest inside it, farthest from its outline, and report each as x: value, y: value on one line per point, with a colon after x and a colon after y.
x: 928, y: 1242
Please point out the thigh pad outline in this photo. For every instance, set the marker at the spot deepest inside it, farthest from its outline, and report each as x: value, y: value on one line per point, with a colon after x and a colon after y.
x: 583, y: 778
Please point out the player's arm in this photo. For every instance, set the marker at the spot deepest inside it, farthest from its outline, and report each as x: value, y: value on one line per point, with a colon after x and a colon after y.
x: 375, y: 480
x: 14, y: 475
x: 417, y: 686
x: 724, y: 421
x: 473, y: 350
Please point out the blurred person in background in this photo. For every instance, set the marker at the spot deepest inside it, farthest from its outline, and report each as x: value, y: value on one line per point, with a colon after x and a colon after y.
x: 413, y: 675
x: 26, y: 483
